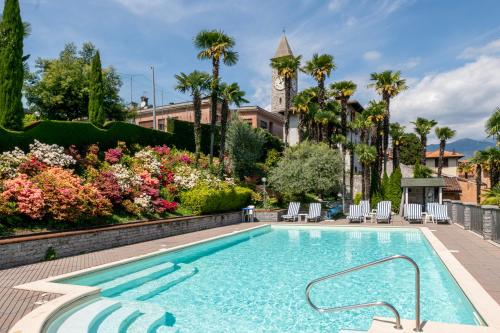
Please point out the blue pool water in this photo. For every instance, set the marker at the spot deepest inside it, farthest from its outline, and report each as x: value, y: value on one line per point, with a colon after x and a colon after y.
x: 255, y: 282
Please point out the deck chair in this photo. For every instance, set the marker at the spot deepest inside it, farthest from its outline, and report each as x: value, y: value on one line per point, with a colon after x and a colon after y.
x: 355, y: 213
x: 383, y: 211
x: 405, y: 212
x: 414, y: 213
x: 293, y: 212
x: 365, y: 208
x: 314, y: 212
x: 440, y: 214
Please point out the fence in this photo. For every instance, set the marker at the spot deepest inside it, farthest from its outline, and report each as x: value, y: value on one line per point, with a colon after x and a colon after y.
x: 483, y: 220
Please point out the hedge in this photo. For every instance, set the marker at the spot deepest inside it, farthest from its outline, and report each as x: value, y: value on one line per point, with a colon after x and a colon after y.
x: 82, y: 134
x: 204, y: 199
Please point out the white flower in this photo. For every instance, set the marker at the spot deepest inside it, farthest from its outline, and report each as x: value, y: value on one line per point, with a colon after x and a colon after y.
x: 52, y: 155
x: 10, y: 162
x: 125, y: 177
x: 144, y: 202
x: 149, y: 161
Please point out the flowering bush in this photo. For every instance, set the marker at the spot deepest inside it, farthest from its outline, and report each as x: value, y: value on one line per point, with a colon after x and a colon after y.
x: 66, y: 198
x: 32, y: 166
x: 107, y: 184
x: 28, y: 198
x: 125, y: 177
x: 10, y: 162
x: 113, y: 156
x: 52, y: 155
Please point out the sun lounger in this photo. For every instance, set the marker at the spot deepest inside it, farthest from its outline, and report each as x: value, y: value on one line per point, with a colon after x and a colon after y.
x: 314, y: 212
x: 414, y: 213
x: 383, y: 212
x: 355, y: 213
x: 293, y: 212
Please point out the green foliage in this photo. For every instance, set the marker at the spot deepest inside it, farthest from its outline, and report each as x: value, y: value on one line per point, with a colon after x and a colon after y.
x: 272, y: 159
x: 357, y: 198
x: 29, y: 119
x: 205, y: 199
x: 97, y: 115
x: 307, y: 168
x: 83, y: 134
x: 271, y: 144
x: 12, y: 32
x: 421, y: 171
x: 492, y: 196
x: 393, y: 194
x: 376, y: 198
x: 50, y: 254
x: 59, y: 88
x: 244, y: 146
x: 410, y: 148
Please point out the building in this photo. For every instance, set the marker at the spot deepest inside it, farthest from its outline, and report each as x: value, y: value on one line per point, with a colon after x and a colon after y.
x: 253, y: 115
x: 450, y: 162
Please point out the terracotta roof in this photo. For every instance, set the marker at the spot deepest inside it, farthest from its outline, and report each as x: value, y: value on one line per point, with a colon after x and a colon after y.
x: 435, y: 154
x: 452, y: 185
x: 284, y: 48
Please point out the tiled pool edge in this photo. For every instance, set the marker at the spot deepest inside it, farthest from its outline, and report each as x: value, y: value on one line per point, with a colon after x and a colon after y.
x: 480, y: 299
x: 36, y: 320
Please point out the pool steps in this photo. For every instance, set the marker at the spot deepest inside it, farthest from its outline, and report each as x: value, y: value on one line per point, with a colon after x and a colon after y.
x: 161, y: 284
x: 82, y: 320
x: 118, y: 320
x: 120, y: 284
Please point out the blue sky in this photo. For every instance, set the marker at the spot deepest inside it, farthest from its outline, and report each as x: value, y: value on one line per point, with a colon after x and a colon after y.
x: 448, y: 50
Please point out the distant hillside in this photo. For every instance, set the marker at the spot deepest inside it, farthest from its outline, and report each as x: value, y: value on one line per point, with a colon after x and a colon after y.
x: 465, y: 146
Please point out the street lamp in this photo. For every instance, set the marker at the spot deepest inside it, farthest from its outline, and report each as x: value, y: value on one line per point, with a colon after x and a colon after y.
x: 264, y: 179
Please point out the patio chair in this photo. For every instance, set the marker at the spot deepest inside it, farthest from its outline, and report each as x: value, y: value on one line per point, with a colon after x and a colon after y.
x: 414, y: 213
x: 314, y: 212
x: 383, y: 211
x: 293, y: 212
x: 365, y: 208
x: 355, y: 213
x: 440, y: 214
x: 405, y: 212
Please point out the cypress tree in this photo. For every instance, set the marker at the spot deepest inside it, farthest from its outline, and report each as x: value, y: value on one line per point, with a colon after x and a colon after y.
x: 97, y: 114
x: 11, y: 66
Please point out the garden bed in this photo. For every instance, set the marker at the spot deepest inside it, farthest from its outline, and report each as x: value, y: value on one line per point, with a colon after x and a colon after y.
x: 22, y: 250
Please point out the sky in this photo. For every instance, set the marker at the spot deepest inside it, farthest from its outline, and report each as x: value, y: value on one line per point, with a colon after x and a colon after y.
x: 447, y: 50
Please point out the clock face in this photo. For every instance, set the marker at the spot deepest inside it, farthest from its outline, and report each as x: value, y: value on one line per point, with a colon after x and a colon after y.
x: 279, y: 83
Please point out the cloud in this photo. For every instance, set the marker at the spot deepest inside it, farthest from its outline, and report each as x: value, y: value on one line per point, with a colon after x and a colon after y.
x: 335, y: 5
x: 492, y: 48
x: 351, y: 21
x: 371, y: 55
x: 462, y: 98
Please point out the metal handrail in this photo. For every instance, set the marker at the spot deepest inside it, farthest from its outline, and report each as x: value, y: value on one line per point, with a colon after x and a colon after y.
x: 418, y: 327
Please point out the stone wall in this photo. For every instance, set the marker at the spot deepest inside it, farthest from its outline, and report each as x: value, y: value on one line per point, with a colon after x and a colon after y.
x: 269, y: 215
x: 30, y: 249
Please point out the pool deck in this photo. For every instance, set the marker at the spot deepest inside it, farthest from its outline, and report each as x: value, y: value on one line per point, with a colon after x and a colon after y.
x: 479, y: 257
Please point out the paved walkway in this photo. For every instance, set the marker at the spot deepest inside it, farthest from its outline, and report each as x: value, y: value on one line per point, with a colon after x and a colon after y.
x: 481, y: 259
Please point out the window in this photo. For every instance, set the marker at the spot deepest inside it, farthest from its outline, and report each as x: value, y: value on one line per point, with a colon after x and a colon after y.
x: 445, y: 162
x: 247, y: 120
x: 280, y: 100
x: 161, y: 124
x: 270, y: 126
x: 263, y: 124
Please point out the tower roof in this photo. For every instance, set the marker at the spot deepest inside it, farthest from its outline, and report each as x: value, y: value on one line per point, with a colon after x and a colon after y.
x: 284, y: 48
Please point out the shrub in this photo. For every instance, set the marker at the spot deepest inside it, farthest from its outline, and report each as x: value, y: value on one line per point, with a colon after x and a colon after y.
x: 204, y: 199
x: 357, y: 198
x: 244, y: 146
x: 25, y: 196
x: 67, y: 199
x: 307, y: 168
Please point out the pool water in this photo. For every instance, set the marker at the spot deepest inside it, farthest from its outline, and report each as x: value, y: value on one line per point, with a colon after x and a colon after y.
x: 255, y: 282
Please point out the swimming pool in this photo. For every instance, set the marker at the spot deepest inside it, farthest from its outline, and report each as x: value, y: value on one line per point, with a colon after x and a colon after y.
x: 255, y: 281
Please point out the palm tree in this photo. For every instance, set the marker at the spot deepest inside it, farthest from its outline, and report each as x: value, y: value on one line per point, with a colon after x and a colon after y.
x: 376, y: 115
x: 342, y: 91
x: 215, y: 45
x: 466, y: 167
x: 320, y: 67
x: 443, y: 134
x: 492, y: 156
x: 304, y: 104
x: 367, y: 155
x: 397, y: 133
x: 493, y: 125
x: 230, y: 95
x: 196, y: 84
x: 423, y: 128
x: 287, y: 67
x: 479, y: 160
x: 388, y: 84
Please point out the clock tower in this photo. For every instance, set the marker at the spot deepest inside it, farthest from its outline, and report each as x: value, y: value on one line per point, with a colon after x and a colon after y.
x: 278, y: 86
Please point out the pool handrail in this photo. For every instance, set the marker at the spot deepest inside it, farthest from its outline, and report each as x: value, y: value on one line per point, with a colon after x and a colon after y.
x: 418, y: 327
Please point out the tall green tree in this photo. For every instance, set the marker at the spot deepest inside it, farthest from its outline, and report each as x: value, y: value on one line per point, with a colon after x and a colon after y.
x: 97, y: 115
x: 367, y: 155
x: 305, y: 105
x: 342, y: 91
x: 443, y: 134
x: 287, y: 67
x: 59, y: 88
x: 12, y: 31
x: 423, y: 128
x: 409, y: 149
x: 397, y: 132
x: 388, y: 84
x: 196, y: 84
x: 480, y: 160
x: 215, y: 45
x: 493, y: 125
x: 230, y: 95
x: 319, y: 68
x: 376, y: 115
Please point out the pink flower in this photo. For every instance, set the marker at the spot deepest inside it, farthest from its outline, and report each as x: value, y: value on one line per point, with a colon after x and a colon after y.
x: 113, y: 156
x: 27, y: 196
x: 185, y: 159
x: 162, y: 150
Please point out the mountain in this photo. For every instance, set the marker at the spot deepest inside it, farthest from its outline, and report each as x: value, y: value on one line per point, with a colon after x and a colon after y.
x: 465, y: 146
